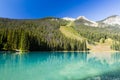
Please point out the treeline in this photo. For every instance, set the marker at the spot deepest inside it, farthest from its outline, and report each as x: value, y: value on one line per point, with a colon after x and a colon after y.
x: 36, y: 35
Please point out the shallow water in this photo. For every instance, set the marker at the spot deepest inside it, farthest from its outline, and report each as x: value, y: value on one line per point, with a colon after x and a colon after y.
x: 59, y: 66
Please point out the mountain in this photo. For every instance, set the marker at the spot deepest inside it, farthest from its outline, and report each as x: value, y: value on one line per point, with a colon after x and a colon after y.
x: 111, y: 21
x: 83, y: 20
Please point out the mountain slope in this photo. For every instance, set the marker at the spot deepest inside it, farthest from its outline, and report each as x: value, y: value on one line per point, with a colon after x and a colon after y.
x: 69, y: 32
x: 36, y: 35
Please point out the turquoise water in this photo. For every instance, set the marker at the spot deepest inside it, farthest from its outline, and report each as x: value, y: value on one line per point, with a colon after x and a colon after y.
x: 59, y: 66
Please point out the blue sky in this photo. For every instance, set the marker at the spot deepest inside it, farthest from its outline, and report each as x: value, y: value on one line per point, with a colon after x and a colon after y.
x: 92, y: 9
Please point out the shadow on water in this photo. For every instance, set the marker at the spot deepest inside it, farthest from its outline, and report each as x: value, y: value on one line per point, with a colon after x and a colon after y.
x: 59, y: 66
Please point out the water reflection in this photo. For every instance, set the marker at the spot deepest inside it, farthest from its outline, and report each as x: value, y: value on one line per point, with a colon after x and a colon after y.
x: 59, y: 66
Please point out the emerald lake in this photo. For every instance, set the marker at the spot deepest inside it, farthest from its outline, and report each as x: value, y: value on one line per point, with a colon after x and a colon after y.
x: 60, y: 66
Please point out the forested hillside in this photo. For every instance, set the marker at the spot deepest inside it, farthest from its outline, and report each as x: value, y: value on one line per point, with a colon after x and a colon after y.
x: 37, y: 35
x: 100, y: 35
x: 54, y: 34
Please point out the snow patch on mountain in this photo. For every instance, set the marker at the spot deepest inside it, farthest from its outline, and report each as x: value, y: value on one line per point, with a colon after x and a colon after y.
x: 112, y: 20
x: 69, y: 19
x: 91, y: 23
x: 83, y: 17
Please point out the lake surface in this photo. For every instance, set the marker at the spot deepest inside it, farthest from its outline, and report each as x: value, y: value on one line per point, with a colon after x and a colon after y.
x: 59, y: 66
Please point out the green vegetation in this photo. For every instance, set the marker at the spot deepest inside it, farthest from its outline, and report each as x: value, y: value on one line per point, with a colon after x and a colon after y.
x: 100, y: 35
x: 37, y: 35
x: 116, y: 45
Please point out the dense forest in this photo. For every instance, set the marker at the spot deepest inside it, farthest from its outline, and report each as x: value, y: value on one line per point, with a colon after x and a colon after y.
x: 36, y: 35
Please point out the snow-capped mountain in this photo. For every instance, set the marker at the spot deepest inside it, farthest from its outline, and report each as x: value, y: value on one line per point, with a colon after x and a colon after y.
x: 82, y: 20
x: 68, y: 18
x: 112, y: 20
x: 83, y: 17
x: 85, y: 21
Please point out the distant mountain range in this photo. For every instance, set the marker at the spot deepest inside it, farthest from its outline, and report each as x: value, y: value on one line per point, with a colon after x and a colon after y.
x: 110, y: 21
